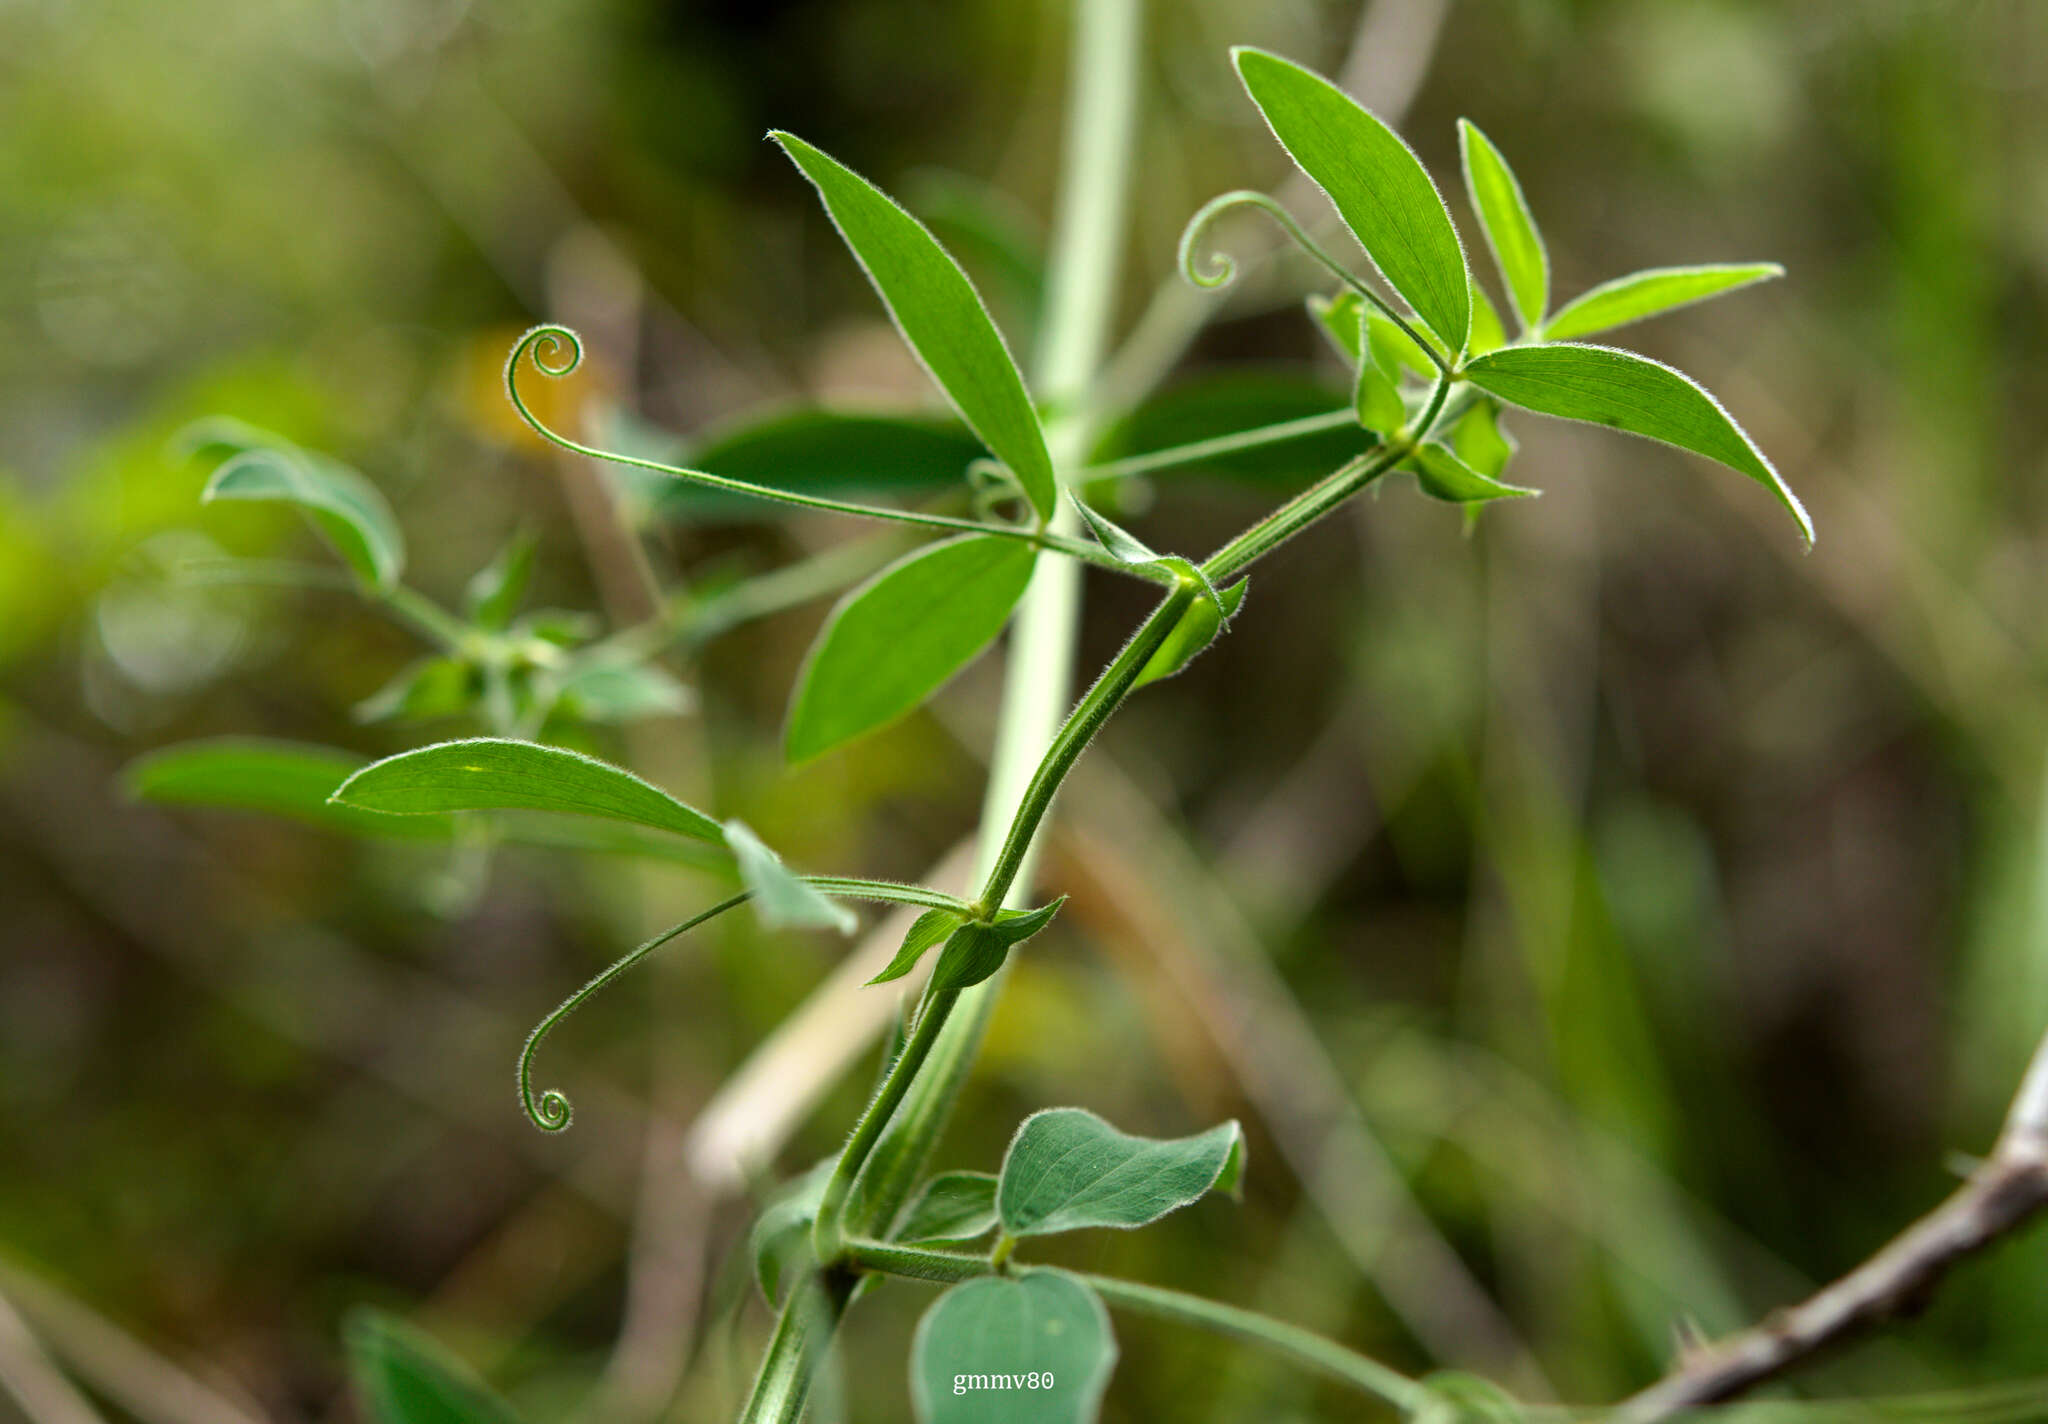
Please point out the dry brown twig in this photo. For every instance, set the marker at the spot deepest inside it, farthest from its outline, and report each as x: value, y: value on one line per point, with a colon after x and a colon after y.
x: 2005, y: 1191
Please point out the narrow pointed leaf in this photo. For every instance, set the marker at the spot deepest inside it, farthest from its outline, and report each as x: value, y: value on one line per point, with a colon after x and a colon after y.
x: 1443, y: 475
x: 1510, y: 227
x: 496, y: 590
x: 424, y: 690
x: 780, y: 898
x: 1127, y: 547
x: 1191, y: 637
x: 928, y: 929
x: 492, y: 774
x: 1651, y: 293
x: 1380, y: 188
x: 1629, y: 392
x: 953, y: 1209
x: 898, y: 638
x: 939, y: 314
x: 1032, y: 1347
x: 340, y: 503
x: 1067, y: 1169
x: 402, y: 1376
x: 975, y: 951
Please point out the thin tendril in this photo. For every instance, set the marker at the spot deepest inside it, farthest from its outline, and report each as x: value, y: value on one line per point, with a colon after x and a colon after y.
x: 550, y: 1112
x: 1222, y: 268
x: 545, y: 342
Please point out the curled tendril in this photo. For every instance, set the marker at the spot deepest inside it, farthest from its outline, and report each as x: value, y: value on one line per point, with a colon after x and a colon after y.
x: 1221, y: 268
x: 550, y: 1111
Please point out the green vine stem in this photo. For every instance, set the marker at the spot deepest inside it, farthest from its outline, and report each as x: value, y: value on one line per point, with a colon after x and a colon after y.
x: 1322, y: 497
x: 1292, y: 1342
x: 556, y: 351
x: 1101, y: 700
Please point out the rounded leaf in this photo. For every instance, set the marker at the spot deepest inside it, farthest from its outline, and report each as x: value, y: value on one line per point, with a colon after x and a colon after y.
x: 1067, y: 1169
x: 1033, y: 1347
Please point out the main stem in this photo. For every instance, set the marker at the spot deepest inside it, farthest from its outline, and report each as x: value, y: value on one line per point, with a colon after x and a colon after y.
x: 1101, y: 117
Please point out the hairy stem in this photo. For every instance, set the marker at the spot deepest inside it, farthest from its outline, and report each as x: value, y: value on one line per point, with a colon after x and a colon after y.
x: 1320, y: 498
x: 1291, y: 1342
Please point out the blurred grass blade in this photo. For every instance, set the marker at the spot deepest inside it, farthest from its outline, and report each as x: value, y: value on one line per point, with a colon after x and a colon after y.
x: 1038, y: 1323
x: 1629, y: 392
x: 341, y: 504
x: 1067, y: 1170
x: 291, y: 779
x: 1651, y: 293
x: 902, y: 635
x: 1510, y: 226
x: 1443, y: 475
x: 953, y: 1209
x: 779, y: 897
x: 492, y: 774
x: 1213, y: 406
x: 402, y: 1376
x: 1380, y: 188
x: 940, y: 315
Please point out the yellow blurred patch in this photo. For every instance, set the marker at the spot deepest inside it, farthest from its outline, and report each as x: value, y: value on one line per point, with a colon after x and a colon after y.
x: 558, y: 402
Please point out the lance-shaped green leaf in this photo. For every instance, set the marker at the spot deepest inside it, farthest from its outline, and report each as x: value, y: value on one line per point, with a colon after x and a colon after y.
x: 1068, y: 1169
x: 1629, y: 392
x: 779, y: 897
x: 340, y: 503
x: 780, y: 1240
x: 402, y: 1376
x: 940, y: 315
x: 1650, y: 293
x: 1032, y: 1347
x: 1380, y: 188
x: 975, y: 951
x: 1191, y: 637
x: 493, y: 774
x: 1444, y: 476
x: 1510, y: 227
x: 932, y: 927
x: 953, y: 1209
x: 902, y: 635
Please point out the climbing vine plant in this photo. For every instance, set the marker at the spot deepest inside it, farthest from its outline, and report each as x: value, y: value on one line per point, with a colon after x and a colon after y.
x: 1434, y: 372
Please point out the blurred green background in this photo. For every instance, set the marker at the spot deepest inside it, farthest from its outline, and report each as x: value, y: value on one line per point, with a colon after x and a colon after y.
x: 1607, y: 925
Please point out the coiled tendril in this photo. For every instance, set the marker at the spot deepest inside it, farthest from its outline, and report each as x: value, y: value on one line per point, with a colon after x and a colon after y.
x: 550, y: 1111
x: 1221, y: 269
